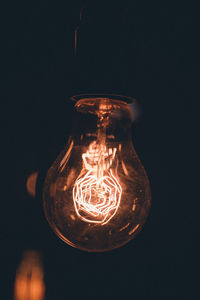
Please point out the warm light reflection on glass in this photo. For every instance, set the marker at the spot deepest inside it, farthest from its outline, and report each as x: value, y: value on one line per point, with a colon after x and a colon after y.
x: 31, y: 184
x: 29, y: 282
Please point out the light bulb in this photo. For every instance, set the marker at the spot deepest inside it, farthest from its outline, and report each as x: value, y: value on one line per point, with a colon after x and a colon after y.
x: 29, y: 282
x: 96, y: 194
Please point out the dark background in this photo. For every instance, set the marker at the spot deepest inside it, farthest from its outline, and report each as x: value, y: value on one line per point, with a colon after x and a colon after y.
x: 135, y: 48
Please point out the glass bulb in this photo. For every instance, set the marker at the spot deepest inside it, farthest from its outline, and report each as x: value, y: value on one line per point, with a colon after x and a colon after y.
x: 96, y: 194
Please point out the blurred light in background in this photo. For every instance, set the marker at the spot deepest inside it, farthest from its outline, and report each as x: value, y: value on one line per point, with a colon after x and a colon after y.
x: 31, y: 184
x: 29, y: 283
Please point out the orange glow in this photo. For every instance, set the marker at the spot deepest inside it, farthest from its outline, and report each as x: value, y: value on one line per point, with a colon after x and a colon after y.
x: 29, y: 284
x: 31, y: 183
x: 97, y: 194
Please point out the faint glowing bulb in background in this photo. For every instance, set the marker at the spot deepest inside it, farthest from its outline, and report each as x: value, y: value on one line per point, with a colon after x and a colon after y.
x: 31, y: 184
x: 29, y: 283
x: 96, y: 194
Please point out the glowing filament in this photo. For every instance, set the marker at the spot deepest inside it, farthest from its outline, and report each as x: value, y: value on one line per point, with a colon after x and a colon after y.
x: 97, y: 194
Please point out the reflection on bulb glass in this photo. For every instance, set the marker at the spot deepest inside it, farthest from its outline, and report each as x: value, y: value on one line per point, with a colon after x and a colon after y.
x: 96, y: 193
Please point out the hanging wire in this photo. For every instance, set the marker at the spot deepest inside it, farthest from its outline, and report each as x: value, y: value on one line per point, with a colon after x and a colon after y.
x: 81, y: 14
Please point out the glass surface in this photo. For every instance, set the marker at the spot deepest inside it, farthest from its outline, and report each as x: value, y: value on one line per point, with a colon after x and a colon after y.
x: 97, y: 194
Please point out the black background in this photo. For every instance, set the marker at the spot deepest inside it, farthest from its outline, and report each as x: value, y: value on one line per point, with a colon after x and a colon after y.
x: 136, y: 48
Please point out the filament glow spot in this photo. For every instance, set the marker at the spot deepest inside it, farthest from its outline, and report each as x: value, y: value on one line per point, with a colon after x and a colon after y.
x: 97, y: 194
